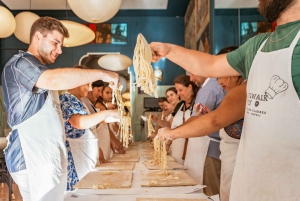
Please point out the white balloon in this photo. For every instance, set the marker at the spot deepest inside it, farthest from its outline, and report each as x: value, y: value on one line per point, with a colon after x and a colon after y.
x: 123, y: 83
x: 95, y: 11
x: 7, y: 22
x: 79, y: 34
x: 114, y: 62
x: 24, y: 21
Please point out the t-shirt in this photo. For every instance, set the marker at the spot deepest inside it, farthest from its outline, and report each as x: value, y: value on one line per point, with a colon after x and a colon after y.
x: 242, y: 58
x: 22, y: 100
x: 211, y: 95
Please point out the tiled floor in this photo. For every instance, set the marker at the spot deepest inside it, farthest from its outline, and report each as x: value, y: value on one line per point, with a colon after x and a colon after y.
x: 4, y: 193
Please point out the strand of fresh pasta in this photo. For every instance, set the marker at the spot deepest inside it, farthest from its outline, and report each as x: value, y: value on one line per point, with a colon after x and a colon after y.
x: 143, y: 70
x: 150, y: 126
x: 160, y: 154
x: 125, y: 121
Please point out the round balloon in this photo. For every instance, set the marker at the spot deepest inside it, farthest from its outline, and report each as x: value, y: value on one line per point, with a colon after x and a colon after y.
x: 79, y: 34
x: 114, y: 62
x: 24, y: 21
x: 95, y: 11
x: 7, y: 22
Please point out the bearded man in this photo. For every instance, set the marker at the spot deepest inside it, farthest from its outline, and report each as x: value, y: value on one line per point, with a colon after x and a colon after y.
x: 268, y: 162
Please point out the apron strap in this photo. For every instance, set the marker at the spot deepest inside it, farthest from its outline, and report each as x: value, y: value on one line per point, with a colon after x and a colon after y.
x: 186, y: 142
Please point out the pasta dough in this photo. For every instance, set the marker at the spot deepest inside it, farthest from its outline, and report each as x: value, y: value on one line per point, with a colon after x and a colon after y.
x: 143, y: 70
x: 160, y: 155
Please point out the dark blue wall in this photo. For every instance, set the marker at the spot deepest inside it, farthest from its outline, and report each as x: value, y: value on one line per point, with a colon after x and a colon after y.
x: 154, y: 28
x: 226, y: 25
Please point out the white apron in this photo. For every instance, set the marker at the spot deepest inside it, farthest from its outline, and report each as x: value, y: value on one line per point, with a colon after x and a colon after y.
x: 42, y: 139
x: 85, y: 151
x: 195, y: 157
x: 268, y: 163
x: 104, y: 140
x: 178, y: 144
x: 229, y: 148
x: 102, y: 132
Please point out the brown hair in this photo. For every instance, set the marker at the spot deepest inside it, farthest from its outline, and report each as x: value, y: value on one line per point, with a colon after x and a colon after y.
x: 98, y: 83
x: 227, y: 49
x: 172, y: 89
x: 184, y: 80
x: 46, y: 25
x: 161, y: 99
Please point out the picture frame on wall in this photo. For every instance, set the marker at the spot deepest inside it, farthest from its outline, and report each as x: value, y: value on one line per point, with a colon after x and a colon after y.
x: 110, y: 33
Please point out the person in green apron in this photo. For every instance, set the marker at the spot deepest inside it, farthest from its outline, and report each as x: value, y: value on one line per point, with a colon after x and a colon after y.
x: 35, y: 154
x: 267, y: 164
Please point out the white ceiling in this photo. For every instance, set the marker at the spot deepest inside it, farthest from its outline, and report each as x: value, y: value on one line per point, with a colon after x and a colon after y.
x: 236, y: 3
x: 126, y: 4
x: 62, y: 4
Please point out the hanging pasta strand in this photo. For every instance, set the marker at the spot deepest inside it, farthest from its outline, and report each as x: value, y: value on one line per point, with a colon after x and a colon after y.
x: 150, y: 126
x: 143, y: 70
x: 125, y: 121
x: 160, y: 155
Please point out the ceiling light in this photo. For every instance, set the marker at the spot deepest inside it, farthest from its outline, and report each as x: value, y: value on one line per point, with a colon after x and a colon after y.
x: 79, y: 34
x: 114, y: 62
x: 95, y: 11
x: 7, y: 22
x: 24, y: 21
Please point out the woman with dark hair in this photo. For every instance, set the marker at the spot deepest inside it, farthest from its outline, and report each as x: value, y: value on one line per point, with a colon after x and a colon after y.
x: 187, y: 91
x: 104, y: 103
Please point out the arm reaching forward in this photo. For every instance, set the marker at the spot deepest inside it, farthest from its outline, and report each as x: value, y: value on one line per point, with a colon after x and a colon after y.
x: 195, y: 62
x: 230, y: 110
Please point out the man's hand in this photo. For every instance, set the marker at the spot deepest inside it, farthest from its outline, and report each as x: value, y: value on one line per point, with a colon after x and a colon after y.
x: 160, y: 50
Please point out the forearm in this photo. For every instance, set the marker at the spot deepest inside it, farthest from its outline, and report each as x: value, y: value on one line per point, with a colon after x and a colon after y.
x: 163, y: 123
x: 200, y: 63
x: 87, y: 121
x: 69, y: 78
x: 113, y: 138
x: 231, y: 109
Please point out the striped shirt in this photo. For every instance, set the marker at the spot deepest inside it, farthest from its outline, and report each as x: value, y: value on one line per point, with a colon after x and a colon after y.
x: 22, y: 100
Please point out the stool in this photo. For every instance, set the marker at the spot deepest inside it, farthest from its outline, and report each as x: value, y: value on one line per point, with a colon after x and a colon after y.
x: 6, y: 177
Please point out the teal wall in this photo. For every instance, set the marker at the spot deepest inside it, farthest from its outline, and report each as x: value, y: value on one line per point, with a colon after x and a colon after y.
x: 226, y: 25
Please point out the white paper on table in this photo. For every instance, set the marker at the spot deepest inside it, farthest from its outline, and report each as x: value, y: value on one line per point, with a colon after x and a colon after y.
x: 142, y: 191
x: 71, y: 196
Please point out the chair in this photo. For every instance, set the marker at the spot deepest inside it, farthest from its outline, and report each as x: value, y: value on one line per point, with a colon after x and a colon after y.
x: 6, y: 177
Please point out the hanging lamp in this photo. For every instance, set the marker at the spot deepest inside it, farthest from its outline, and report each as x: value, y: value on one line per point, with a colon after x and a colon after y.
x: 79, y: 34
x: 95, y: 11
x: 7, y: 22
x: 24, y: 21
x: 114, y: 62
